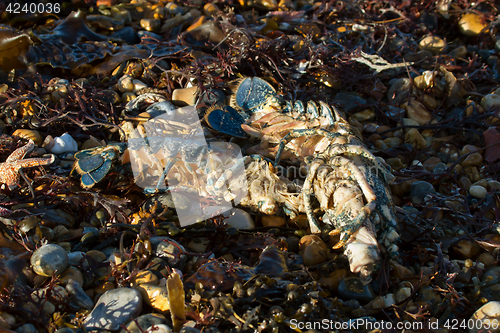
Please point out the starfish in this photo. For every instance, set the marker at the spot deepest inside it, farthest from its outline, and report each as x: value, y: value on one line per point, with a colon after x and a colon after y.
x: 10, y: 169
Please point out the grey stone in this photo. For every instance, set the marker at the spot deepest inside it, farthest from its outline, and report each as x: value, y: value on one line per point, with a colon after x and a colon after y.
x: 49, y: 259
x: 140, y: 324
x: 114, y: 308
x: 27, y: 328
x: 169, y: 250
x: 78, y: 295
x: 419, y: 190
x: 350, y: 102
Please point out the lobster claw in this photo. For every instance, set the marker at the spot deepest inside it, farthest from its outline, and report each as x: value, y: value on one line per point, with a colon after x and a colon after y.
x: 226, y: 120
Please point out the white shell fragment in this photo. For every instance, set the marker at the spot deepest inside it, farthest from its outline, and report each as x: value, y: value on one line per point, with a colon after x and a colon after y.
x: 61, y: 144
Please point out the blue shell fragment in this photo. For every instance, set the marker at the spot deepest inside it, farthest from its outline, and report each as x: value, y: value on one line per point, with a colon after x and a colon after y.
x: 252, y: 92
x: 93, y: 177
x: 90, y: 163
x: 226, y: 120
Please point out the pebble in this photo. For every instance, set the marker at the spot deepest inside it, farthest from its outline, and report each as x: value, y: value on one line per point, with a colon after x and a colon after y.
x: 145, y: 277
x: 488, y: 314
x: 199, y: 244
x: 467, y: 249
x: 364, y: 115
x: 162, y: 328
x: 49, y: 259
x: 478, y: 191
x: 314, y: 250
x: 431, y: 163
x: 350, y: 102
x: 71, y: 273
x: 419, y: 190
x: 29, y: 134
x: 171, y: 250
x: 27, y: 328
x: 474, y: 159
x: 61, y: 144
x: 486, y: 258
x: 78, y: 295
x: 150, y: 24
x: 471, y: 24
x: 459, y: 52
x: 141, y: 323
x: 184, y: 96
x: 395, y: 163
x: 490, y: 101
x: 239, y: 219
x: 416, y: 139
x: 126, y: 84
x: 272, y: 221
x: 433, y: 44
x: 353, y: 288
x: 155, y: 296
x: 332, y: 281
x: 7, y: 320
x: 114, y: 308
x: 416, y: 111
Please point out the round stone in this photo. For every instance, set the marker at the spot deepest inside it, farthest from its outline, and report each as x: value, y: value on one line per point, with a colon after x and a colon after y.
x: 314, y: 250
x: 273, y: 221
x: 239, y: 219
x: 419, y: 190
x: 489, y: 315
x: 140, y: 324
x: 114, y: 308
x: 49, y: 259
x: 471, y: 24
x: 478, y: 191
x: 433, y: 44
x: 490, y: 101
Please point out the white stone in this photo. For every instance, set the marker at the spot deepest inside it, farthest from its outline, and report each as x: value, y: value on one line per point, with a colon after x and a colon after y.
x: 61, y: 144
x: 477, y: 191
x: 489, y: 315
x: 239, y: 219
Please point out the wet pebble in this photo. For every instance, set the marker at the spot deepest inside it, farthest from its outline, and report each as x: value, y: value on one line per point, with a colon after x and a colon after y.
x: 474, y: 159
x: 239, y: 219
x: 160, y: 328
x: 272, y: 221
x: 27, y: 328
x: 71, y: 273
x: 314, y: 250
x: 141, y: 323
x: 471, y: 24
x: 467, y: 249
x: 155, y: 296
x: 353, y: 288
x: 184, y: 96
x: 171, y: 250
x: 49, y: 259
x: 114, y: 308
x: 29, y: 134
x: 433, y: 44
x: 61, y: 144
x: 488, y: 314
x: 478, y: 191
x: 78, y: 295
x: 419, y: 190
